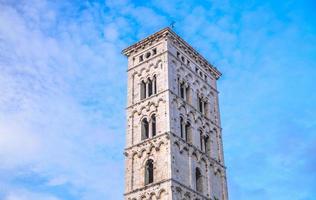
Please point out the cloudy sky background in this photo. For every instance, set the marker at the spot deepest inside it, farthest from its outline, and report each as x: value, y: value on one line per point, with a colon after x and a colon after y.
x: 63, y: 93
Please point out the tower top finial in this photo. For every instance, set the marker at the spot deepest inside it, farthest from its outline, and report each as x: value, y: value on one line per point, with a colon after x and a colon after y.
x: 172, y: 24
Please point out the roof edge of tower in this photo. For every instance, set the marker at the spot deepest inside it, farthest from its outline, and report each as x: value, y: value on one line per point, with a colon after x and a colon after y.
x: 164, y: 32
x: 144, y: 41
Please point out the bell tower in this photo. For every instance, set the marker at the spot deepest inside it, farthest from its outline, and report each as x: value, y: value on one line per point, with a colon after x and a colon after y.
x: 174, y: 148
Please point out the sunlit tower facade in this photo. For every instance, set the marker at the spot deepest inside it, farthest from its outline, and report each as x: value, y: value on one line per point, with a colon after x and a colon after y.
x: 174, y: 148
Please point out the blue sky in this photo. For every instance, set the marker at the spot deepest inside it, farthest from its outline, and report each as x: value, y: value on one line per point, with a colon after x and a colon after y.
x: 63, y: 93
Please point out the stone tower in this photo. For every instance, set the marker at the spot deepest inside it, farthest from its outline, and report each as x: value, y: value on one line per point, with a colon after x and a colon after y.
x: 174, y: 144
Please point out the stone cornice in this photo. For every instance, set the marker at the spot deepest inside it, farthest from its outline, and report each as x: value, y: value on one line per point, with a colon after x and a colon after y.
x: 148, y: 141
x: 147, y: 187
x: 166, y: 135
x: 146, y: 41
x: 167, y: 33
x: 143, y: 101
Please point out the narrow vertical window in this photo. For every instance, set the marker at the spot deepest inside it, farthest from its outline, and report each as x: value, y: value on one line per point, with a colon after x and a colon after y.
x: 198, y: 180
x: 181, y: 127
x: 182, y: 90
x: 145, y: 129
x: 188, y: 93
x: 155, y: 84
x: 149, y: 172
x: 142, y: 90
x: 153, y: 125
x: 150, y: 87
x: 188, y: 136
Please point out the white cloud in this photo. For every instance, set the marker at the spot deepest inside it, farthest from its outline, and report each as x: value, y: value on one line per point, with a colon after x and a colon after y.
x: 54, y: 114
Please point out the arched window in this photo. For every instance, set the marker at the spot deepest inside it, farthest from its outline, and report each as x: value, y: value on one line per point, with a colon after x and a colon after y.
x: 149, y: 172
x: 182, y: 90
x: 198, y: 180
x: 145, y: 129
x: 142, y: 90
x: 207, y: 145
x: 153, y: 125
x: 181, y: 128
x: 188, y: 94
x: 155, y: 84
x: 150, y: 87
x: 188, y: 133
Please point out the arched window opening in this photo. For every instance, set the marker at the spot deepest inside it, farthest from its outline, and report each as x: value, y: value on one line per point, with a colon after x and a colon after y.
x: 188, y: 94
x: 188, y: 134
x: 182, y: 90
x: 155, y: 85
x: 153, y: 125
x: 145, y: 129
x: 181, y: 127
x: 150, y: 87
x: 198, y: 180
x: 149, y: 172
x: 143, y: 90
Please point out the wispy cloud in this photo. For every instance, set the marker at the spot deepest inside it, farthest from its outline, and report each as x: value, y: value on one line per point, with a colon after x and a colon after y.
x: 62, y: 106
x: 57, y: 90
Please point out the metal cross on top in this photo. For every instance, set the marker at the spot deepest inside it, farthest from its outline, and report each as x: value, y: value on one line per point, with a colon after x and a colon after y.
x: 172, y: 24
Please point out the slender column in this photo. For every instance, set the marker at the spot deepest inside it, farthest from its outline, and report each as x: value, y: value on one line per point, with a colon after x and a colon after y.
x: 133, y: 88
x: 150, y: 134
x: 185, y: 92
x: 190, y: 170
x: 203, y: 106
x: 132, y: 127
x: 203, y: 147
x: 209, y: 180
x: 224, y: 186
x: 132, y: 173
x: 179, y: 89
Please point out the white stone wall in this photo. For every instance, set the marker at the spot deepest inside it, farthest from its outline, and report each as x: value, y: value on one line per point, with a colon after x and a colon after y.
x: 175, y: 160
